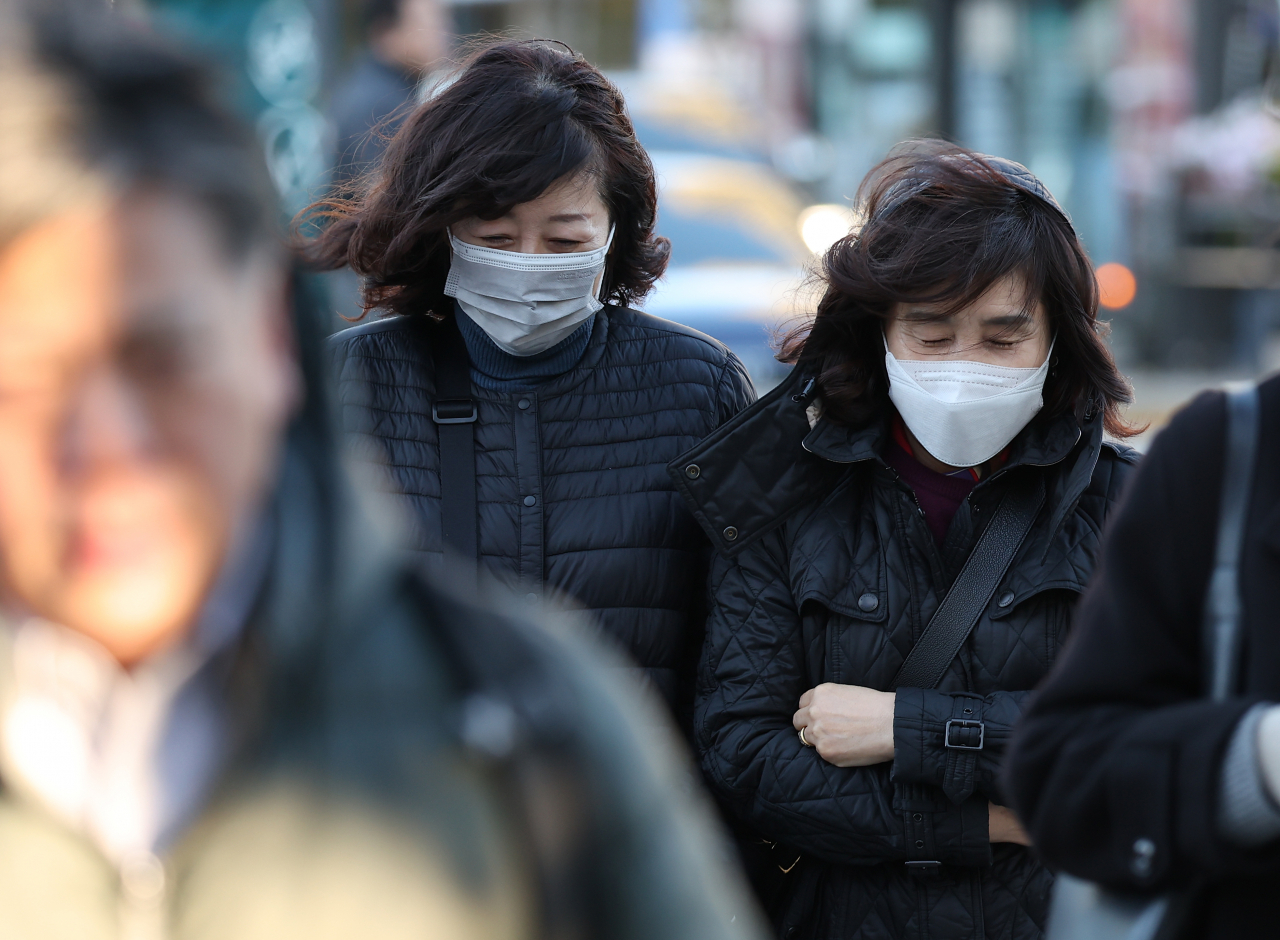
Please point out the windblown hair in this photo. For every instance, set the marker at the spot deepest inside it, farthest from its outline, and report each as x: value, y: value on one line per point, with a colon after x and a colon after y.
x: 942, y: 225
x: 93, y: 103
x: 520, y: 117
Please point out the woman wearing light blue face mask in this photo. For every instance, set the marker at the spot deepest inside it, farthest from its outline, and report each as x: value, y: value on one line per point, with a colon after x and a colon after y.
x: 524, y: 412
x: 902, y: 530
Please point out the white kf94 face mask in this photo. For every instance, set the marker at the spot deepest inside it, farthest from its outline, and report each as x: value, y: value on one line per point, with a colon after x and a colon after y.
x: 525, y: 303
x: 964, y: 413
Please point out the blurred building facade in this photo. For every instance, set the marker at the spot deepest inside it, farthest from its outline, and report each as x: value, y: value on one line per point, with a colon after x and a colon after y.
x: 1151, y: 120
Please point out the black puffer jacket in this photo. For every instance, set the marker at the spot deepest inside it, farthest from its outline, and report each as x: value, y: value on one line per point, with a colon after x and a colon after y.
x: 827, y: 572
x: 572, y: 486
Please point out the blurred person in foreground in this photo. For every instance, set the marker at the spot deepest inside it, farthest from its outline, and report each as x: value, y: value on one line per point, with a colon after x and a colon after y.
x: 405, y: 39
x: 954, y: 365
x: 503, y: 240
x: 1123, y: 770
x: 229, y: 707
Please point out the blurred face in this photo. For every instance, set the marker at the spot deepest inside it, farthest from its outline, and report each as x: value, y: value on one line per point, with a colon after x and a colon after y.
x: 418, y: 38
x: 144, y: 383
x: 993, y: 329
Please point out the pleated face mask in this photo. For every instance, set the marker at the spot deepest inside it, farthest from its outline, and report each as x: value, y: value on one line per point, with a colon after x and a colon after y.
x: 525, y: 303
x: 964, y: 413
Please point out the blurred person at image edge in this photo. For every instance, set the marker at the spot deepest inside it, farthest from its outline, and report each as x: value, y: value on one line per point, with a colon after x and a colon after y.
x: 1123, y: 770
x: 228, y: 708
x: 954, y: 366
x: 404, y: 40
x: 502, y: 239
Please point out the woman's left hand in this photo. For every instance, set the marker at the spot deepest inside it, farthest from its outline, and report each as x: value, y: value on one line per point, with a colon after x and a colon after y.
x: 848, y: 725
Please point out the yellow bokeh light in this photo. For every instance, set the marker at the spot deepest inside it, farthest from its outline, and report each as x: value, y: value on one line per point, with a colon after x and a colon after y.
x: 822, y: 226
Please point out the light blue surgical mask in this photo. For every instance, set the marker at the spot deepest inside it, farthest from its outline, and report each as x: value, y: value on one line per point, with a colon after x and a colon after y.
x: 526, y: 303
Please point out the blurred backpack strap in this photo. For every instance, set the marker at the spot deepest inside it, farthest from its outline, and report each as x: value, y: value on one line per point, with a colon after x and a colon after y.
x: 1222, y: 599
x: 454, y: 412
x: 973, y: 587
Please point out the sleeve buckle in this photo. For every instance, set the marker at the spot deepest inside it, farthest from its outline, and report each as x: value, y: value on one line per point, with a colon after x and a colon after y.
x: 964, y: 734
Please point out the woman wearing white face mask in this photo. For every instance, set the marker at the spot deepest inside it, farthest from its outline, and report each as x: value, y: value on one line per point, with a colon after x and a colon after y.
x: 903, y: 529
x: 525, y: 413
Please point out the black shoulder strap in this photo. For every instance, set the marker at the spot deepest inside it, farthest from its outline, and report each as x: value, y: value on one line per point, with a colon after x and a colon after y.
x: 454, y: 413
x: 1222, y: 600
x: 971, y: 591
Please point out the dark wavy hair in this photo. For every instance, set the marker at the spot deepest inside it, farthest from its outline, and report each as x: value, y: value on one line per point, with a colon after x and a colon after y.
x: 519, y: 117
x: 942, y: 225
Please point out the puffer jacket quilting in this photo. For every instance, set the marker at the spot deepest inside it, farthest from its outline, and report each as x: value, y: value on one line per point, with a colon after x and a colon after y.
x: 827, y: 572
x: 588, y: 450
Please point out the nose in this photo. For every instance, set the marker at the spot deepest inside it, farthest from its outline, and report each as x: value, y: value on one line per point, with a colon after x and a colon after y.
x: 106, y: 427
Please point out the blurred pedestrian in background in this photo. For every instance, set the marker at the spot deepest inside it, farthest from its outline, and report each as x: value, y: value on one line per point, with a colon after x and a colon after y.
x: 405, y: 40
x: 941, y: 437
x: 229, y: 707
x: 507, y: 229
x: 1124, y: 770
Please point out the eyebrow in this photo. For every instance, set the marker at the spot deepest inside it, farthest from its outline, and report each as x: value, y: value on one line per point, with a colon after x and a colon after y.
x: 569, y: 217
x: 1009, y: 319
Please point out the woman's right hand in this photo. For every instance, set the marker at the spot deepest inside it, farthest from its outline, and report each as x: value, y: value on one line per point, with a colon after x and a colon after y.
x: 1003, y: 826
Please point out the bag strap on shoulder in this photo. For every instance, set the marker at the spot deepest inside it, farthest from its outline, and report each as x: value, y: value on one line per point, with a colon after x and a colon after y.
x: 454, y: 412
x: 973, y: 587
x: 1222, y: 599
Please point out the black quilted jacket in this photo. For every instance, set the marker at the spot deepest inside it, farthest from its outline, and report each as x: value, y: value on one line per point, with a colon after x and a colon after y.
x: 572, y: 486
x: 827, y: 572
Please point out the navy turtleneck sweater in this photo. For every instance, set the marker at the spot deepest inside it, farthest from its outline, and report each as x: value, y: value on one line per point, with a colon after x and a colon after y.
x: 496, y: 369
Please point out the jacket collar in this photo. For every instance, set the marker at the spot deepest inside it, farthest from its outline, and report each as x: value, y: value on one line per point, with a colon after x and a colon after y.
x: 1042, y: 443
x: 761, y: 467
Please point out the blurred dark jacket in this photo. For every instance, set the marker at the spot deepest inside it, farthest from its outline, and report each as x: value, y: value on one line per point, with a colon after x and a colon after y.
x: 366, y: 110
x: 1121, y: 745
x: 827, y: 572
x: 572, y: 485
x: 409, y: 765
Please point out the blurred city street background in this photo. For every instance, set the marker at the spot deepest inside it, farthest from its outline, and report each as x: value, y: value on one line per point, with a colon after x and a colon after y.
x: 1155, y: 122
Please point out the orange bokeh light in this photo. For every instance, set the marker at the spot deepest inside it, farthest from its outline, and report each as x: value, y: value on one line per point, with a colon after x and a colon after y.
x: 1116, y: 286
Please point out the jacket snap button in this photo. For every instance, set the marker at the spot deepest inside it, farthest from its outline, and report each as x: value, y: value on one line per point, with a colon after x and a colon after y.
x: 530, y: 500
x: 692, y: 471
x: 730, y: 533
x: 522, y: 404
x: 1144, y: 852
x: 919, y: 843
x: 1006, y: 599
x: 868, y: 603
x: 918, y: 817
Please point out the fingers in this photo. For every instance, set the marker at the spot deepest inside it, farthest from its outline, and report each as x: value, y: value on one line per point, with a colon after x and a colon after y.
x: 807, y: 699
x: 800, y: 719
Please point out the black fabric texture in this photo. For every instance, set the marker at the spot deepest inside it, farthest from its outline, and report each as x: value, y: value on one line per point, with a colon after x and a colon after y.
x: 1120, y: 744
x: 827, y: 572
x: 573, y: 492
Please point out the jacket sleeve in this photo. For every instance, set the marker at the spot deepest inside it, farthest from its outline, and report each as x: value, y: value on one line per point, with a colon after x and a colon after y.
x: 753, y: 671
x: 984, y: 724
x: 734, y: 391
x: 1115, y: 769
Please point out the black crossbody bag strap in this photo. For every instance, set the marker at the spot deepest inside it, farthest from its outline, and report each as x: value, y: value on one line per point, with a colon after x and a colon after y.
x: 1222, y: 599
x: 454, y: 412
x: 973, y: 587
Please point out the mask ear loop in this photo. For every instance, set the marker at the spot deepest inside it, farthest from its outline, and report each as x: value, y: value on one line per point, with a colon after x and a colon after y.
x: 595, y: 288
